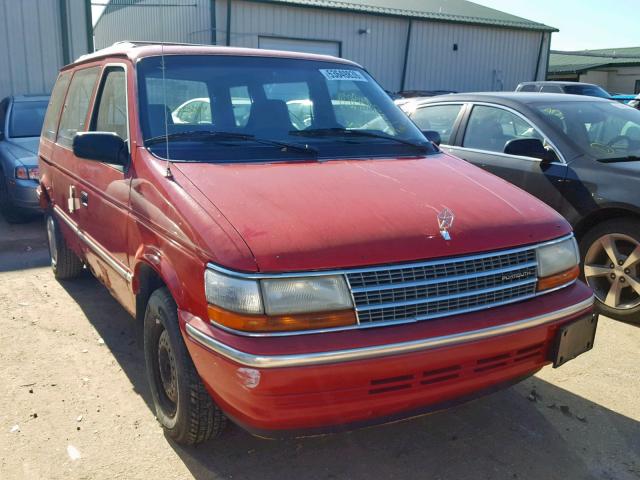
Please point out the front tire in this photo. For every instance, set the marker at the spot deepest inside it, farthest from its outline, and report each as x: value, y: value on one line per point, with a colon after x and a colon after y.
x: 611, y: 267
x: 183, y: 406
x: 64, y: 263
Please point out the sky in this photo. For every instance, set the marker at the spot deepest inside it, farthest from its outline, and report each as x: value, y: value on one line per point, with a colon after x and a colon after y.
x: 583, y: 24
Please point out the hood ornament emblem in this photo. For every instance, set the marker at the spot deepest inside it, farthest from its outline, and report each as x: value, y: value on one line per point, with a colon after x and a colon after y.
x: 445, y: 222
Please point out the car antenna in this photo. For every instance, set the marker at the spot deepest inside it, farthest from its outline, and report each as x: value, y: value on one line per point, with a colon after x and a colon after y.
x: 167, y: 172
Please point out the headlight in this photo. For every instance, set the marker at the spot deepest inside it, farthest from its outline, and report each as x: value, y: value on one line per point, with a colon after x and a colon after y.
x: 557, y: 263
x: 303, y: 295
x: 28, y: 173
x: 230, y: 293
x: 279, y: 304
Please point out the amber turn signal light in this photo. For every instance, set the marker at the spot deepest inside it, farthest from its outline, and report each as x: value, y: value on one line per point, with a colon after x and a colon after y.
x: 281, y: 323
x: 558, y: 279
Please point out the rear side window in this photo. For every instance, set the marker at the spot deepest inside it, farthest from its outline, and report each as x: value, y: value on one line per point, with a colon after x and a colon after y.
x: 111, y: 110
x: 439, y: 118
x: 3, y: 113
x: 527, y: 88
x: 551, y: 89
x: 76, y: 107
x: 27, y: 118
x: 50, y: 126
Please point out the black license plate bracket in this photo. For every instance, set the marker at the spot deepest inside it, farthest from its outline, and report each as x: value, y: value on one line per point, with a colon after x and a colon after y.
x: 574, y: 339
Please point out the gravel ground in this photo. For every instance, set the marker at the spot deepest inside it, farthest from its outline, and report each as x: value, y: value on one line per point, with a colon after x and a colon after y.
x: 74, y: 404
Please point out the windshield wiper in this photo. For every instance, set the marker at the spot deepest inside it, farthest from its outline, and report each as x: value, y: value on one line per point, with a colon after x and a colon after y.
x: 326, y: 132
x: 629, y: 158
x: 217, y: 135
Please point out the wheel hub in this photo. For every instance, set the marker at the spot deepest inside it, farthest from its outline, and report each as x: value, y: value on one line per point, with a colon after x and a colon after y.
x: 167, y: 367
x: 612, y: 269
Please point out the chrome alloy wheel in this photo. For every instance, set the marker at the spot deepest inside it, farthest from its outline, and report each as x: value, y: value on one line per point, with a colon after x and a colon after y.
x: 51, y: 236
x: 612, y: 270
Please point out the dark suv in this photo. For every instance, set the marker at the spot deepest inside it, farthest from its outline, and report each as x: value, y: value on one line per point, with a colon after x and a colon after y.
x: 571, y: 88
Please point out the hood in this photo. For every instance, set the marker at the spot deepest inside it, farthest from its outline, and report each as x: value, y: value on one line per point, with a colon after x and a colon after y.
x: 23, y: 148
x: 313, y: 216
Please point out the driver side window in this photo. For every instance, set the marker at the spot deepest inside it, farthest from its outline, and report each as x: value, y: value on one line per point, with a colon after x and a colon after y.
x: 111, y: 109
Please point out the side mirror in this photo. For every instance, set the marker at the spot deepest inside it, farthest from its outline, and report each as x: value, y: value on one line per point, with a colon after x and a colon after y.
x: 528, y: 147
x: 432, y: 136
x: 103, y: 147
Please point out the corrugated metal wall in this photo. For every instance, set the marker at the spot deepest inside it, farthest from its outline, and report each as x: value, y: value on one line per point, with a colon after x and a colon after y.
x: 186, y: 21
x: 486, y: 58
x: 33, y: 39
x: 380, y: 51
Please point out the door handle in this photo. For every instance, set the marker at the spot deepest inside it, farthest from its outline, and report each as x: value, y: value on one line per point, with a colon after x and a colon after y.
x: 84, y: 199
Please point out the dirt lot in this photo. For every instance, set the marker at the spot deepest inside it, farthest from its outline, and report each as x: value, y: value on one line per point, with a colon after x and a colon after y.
x: 72, y: 381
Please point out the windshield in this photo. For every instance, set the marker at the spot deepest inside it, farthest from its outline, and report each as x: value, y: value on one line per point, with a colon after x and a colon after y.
x: 234, y: 109
x: 27, y: 119
x: 588, y: 90
x: 605, y: 130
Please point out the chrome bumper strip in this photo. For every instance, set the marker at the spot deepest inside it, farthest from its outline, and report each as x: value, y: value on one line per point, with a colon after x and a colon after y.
x: 320, y: 358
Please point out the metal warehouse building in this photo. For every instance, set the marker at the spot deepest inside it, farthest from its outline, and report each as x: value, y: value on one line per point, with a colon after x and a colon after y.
x: 37, y: 37
x: 406, y: 44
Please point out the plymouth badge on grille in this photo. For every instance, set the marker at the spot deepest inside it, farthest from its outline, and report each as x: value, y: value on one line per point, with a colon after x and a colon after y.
x: 445, y: 221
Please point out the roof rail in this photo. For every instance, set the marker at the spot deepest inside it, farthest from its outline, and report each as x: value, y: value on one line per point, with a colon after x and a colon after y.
x: 142, y: 43
x: 133, y: 44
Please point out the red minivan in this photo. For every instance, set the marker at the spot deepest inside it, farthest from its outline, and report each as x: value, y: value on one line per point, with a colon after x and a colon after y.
x: 302, y: 259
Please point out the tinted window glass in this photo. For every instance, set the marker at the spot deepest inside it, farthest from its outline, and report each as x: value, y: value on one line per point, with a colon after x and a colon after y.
x: 527, y: 88
x: 76, y: 106
x: 588, y: 90
x: 111, y: 113
x: 50, y: 126
x: 323, y: 109
x: 27, y: 119
x: 241, y: 104
x: 551, y: 89
x: 296, y: 96
x: 3, y: 113
x: 490, y: 128
x: 439, y: 118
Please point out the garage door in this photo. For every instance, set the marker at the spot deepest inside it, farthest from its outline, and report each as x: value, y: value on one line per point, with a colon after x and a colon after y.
x: 297, y: 45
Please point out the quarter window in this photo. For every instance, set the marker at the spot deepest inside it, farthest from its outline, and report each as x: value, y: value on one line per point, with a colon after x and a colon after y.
x: 76, y: 107
x: 50, y: 126
x: 490, y: 128
x: 439, y: 118
x: 111, y: 113
x: 528, y: 88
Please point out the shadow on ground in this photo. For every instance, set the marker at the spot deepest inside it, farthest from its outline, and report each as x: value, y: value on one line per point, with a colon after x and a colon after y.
x: 505, y: 435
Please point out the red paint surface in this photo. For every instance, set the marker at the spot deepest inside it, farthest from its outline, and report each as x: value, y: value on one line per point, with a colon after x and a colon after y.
x: 301, y: 216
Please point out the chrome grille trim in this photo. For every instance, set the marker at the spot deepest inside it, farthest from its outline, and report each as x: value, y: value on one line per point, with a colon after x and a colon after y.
x: 469, y: 293
x: 487, y: 273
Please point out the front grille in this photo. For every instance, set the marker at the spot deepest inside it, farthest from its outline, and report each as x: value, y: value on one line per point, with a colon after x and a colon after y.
x: 436, y: 289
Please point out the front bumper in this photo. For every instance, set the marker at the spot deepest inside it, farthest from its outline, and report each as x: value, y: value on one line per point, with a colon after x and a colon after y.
x: 22, y: 194
x: 277, y: 388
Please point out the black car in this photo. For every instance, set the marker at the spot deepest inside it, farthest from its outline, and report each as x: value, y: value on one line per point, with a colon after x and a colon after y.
x: 580, y: 155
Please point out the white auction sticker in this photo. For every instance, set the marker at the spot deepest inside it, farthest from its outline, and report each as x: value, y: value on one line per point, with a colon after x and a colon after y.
x: 342, y: 74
